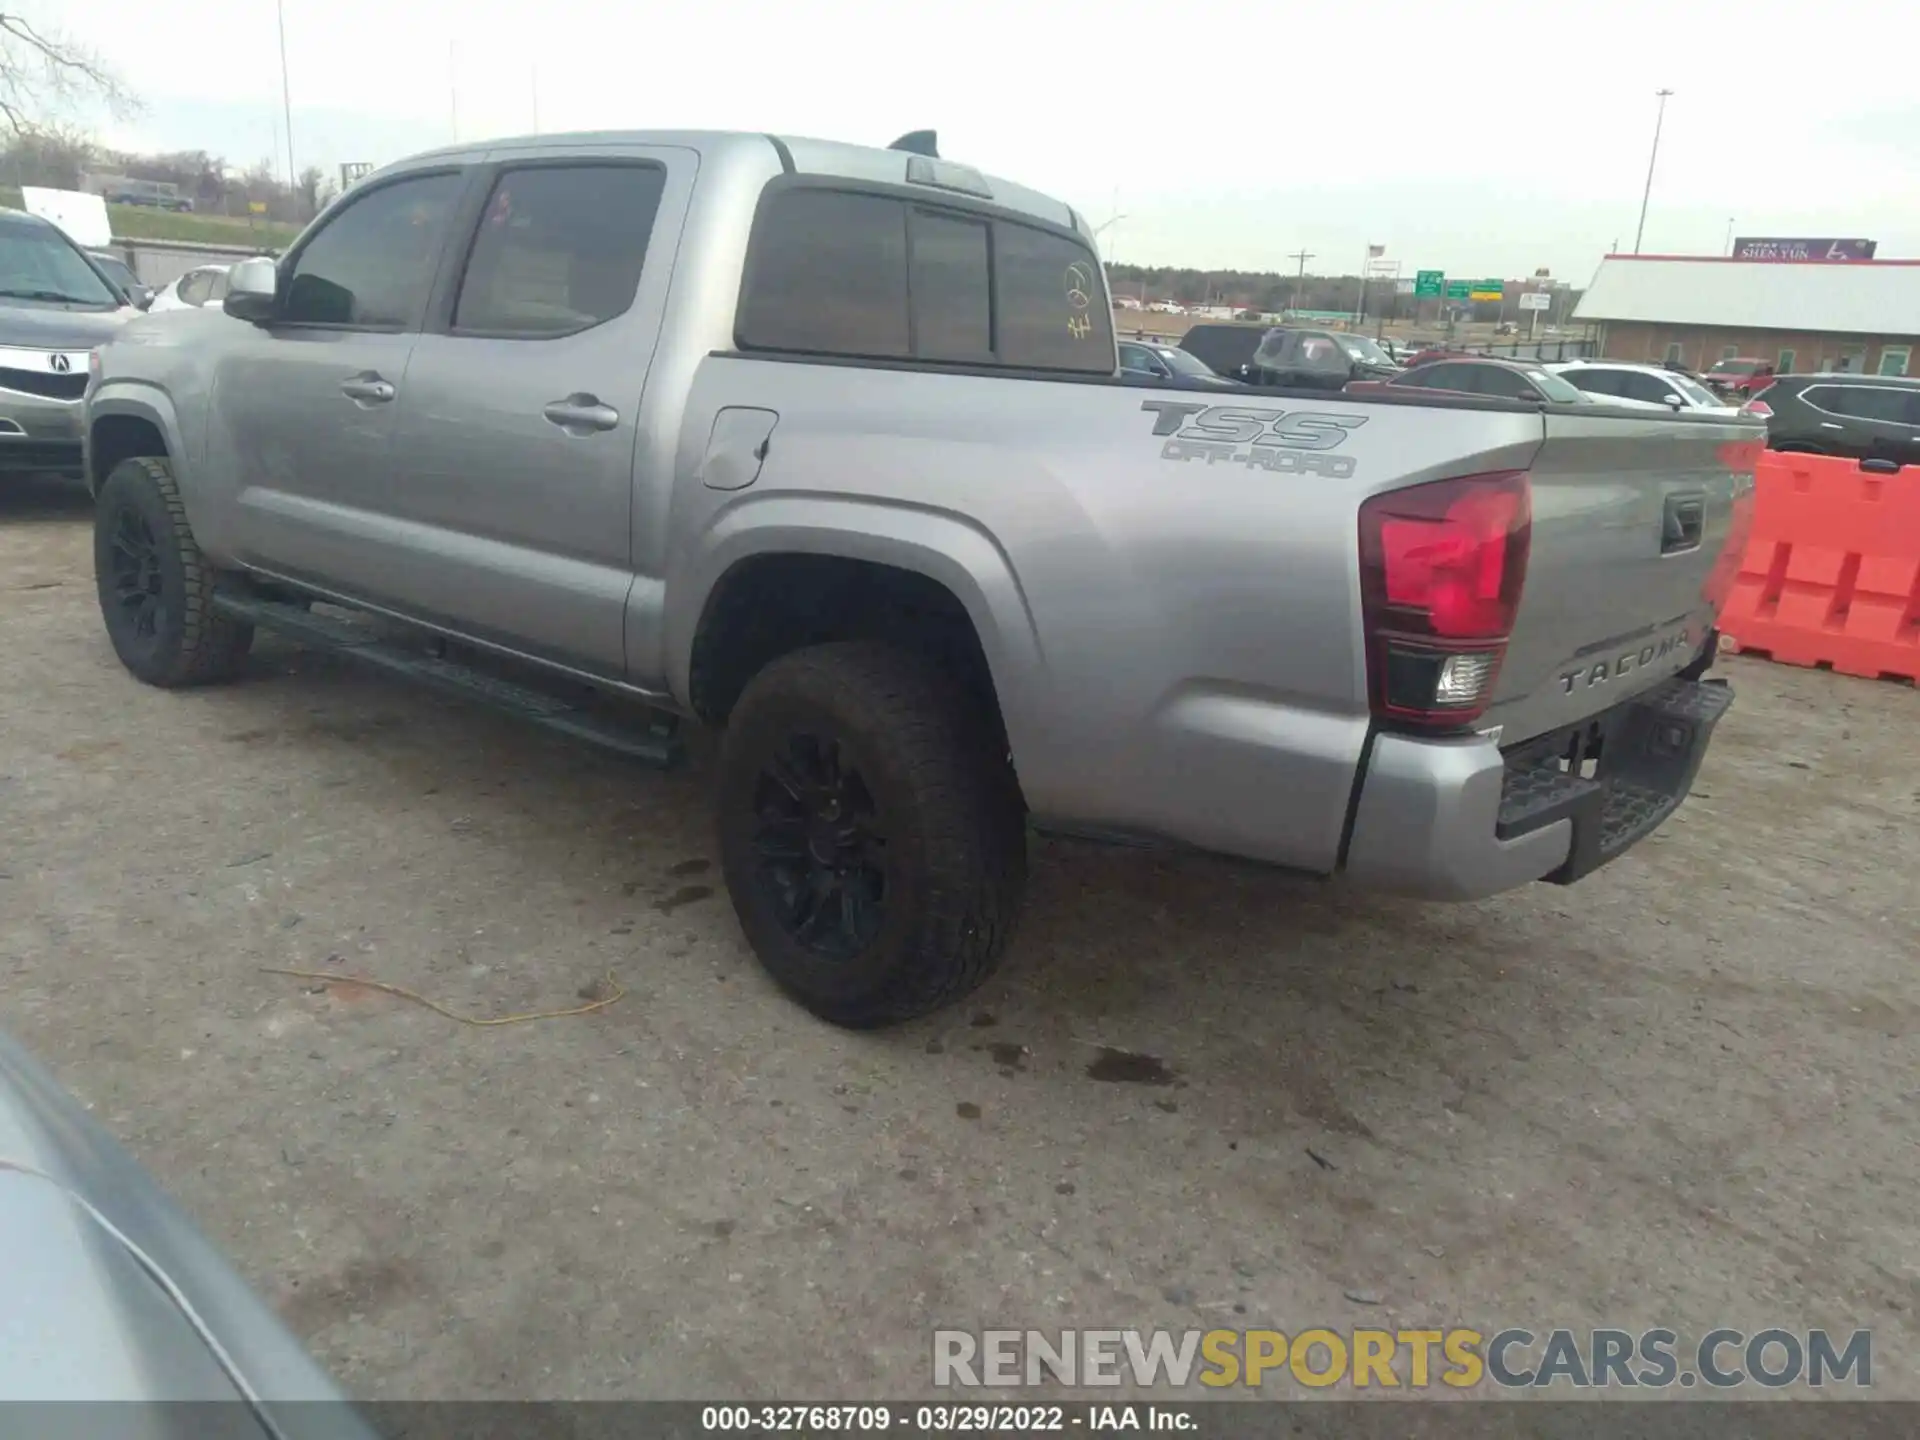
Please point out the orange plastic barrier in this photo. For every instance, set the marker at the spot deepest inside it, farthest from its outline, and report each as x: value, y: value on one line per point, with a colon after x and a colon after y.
x: 1831, y: 574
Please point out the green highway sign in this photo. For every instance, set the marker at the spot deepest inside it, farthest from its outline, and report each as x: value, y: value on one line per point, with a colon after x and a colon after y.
x: 1489, y: 290
x: 1459, y: 289
x: 1428, y: 282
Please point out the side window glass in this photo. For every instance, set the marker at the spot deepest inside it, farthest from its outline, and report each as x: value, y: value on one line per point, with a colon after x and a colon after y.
x: 947, y: 278
x: 1596, y: 382
x: 1049, y: 302
x: 373, y: 263
x: 1505, y: 383
x: 559, y: 249
x: 1648, y: 387
x: 217, y: 288
x: 1134, y: 358
x: 828, y: 274
x: 1870, y: 404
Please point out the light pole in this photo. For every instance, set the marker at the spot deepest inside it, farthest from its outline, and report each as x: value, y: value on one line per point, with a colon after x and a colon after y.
x: 1647, y: 194
x: 1730, y: 235
x: 1300, y: 280
x: 286, y: 91
x: 1101, y: 229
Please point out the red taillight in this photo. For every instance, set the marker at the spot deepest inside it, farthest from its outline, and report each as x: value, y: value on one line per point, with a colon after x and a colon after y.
x: 1441, y: 570
x: 1757, y: 407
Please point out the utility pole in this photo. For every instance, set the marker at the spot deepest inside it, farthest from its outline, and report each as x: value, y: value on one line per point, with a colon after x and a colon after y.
x: 453, y: 89
x: 1647, y: 194
x: 286, y: 91
x: 1300, y: 283
x: 533, y: 82
x: 1730, y: 235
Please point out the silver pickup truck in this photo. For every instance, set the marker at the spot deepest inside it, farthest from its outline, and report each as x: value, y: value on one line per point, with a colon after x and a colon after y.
x: 827, y: 445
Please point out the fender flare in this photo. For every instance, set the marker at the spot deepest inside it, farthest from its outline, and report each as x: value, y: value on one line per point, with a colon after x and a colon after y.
x: 946, y: 548
x: 141, y: 401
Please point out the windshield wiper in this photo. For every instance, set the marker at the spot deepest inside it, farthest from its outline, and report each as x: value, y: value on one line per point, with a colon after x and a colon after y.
x: 60, y: 296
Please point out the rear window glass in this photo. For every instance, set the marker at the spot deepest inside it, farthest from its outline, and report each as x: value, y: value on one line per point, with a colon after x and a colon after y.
x: 828, y: 272
x: 835, y: 272
x: 1051, y: 306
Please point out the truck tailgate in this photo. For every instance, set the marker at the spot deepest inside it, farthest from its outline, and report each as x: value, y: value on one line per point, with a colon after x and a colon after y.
x: 1630, y: 517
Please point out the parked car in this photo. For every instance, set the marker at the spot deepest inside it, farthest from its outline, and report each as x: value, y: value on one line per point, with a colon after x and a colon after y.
x: 113, y: 1295
x: 1647, y: 383
x: 695, y: 430
x: 1864, y: 417
x: 1226, y: 348
x: 56, y: 304
x: 1739, y: 377
x: 1479, y: 375
x: 1169, y: 364
x: 1318, y: 359
x: 203, y: 285
x: 132, y: 288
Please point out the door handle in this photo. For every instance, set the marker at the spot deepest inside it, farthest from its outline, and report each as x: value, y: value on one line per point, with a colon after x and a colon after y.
x: 579, y: 414
x: 369, y: 388
x: 1829, y: 425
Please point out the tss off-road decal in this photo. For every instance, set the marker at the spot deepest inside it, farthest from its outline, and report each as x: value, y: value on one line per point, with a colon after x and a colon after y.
x: 1290, y: 442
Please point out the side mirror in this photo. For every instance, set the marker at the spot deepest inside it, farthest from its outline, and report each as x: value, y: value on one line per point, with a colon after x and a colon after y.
x: 142, y: 297
x: 1675, y: 401
x: 253, y: 290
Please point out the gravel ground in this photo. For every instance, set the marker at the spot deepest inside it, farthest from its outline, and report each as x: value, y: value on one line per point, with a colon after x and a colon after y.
x: 1683, y: 1093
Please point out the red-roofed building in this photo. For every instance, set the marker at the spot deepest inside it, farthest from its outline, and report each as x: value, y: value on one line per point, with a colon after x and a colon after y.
x: 1698, y: 310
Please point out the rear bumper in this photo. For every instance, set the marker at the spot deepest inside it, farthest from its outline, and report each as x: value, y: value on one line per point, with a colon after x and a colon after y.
x: 1462, y: 819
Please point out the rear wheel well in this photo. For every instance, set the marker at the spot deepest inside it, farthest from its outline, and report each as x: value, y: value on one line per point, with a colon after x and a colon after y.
x: 121, y: 437
x: 771, y: 605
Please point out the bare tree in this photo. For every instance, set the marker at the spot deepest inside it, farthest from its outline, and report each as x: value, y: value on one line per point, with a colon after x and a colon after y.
x: 42, y: 74
x: 307, y: 191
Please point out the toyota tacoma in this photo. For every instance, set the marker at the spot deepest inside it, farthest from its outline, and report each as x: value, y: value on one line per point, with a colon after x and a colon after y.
x: 826, y: 447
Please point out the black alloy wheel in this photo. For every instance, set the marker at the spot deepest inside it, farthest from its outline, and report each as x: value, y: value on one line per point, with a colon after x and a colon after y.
x: 822, y: 856
x: 135, y: 573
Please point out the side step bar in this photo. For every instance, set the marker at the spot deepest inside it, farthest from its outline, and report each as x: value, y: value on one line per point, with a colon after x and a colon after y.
x: 654, y: 743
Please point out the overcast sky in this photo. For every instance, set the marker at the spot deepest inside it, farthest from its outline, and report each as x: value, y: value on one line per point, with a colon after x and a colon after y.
x: 1481, y: 137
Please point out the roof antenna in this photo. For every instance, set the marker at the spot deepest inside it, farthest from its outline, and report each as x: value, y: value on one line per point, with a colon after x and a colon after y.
x: 918, y: 142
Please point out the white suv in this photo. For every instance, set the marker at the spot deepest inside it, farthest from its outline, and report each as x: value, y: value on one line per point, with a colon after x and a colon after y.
x: 1643, y: 382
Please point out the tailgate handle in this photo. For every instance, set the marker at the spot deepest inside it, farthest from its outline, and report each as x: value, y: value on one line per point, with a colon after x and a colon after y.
x: 1683, y: 523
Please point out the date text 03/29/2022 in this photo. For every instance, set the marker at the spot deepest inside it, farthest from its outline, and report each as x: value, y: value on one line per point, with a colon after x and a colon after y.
x: 943, y: 1419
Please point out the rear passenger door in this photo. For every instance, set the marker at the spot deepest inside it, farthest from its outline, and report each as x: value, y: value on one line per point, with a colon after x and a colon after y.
x: 511, y: 496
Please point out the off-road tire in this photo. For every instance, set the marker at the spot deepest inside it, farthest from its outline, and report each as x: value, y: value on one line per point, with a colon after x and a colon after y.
x: 948, y: 805
x: 188, y: 643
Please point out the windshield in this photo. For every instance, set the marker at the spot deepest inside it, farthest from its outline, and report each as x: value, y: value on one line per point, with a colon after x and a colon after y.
x: 1360, y: 348
x: 1180, y: 362
x: 1556, y: 389
x: 1736, y: 367
x: 38, y: 263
